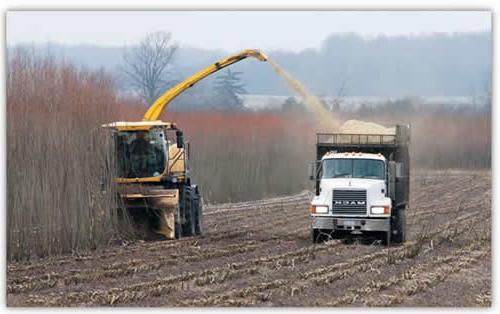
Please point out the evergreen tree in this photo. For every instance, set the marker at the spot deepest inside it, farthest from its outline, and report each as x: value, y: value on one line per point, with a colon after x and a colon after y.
x: 227, y: 88
x: 291, y: 104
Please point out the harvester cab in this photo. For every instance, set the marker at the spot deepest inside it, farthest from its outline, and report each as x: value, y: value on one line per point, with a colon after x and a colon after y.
x: 148, y: 151
x: 152, y: 166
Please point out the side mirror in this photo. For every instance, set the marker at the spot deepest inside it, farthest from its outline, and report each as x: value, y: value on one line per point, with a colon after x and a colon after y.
x: 317, y: 167
x: 179, y: 139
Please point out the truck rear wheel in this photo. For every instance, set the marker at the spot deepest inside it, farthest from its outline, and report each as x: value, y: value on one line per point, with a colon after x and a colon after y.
x: 386, y: 240
x: 398, y: 226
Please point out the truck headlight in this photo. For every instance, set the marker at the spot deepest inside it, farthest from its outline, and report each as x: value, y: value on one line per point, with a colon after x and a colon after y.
x: 380, y: 210
x: 319, y: 209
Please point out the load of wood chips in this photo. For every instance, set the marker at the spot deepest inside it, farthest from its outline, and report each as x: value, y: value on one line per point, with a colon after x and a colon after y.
x: 362, y: 127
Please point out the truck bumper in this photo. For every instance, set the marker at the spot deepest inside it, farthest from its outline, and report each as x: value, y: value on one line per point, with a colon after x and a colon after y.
x: 351, y: 224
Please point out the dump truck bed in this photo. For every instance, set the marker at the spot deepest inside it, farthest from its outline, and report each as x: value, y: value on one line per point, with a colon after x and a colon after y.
x: 364, y: 142
x: 394, y: 147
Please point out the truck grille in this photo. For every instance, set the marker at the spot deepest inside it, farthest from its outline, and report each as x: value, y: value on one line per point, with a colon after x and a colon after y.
x: 349, y: 202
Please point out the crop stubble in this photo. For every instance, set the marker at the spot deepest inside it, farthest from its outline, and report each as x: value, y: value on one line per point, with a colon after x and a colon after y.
x: 259, y: 253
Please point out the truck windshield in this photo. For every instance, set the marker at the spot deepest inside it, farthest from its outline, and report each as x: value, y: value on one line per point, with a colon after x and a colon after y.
x: 140, y: 154
x: 353, y: 168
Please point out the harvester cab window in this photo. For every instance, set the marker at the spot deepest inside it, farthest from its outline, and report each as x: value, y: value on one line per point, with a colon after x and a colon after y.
x: 353, y: 168
x: 141, y: 154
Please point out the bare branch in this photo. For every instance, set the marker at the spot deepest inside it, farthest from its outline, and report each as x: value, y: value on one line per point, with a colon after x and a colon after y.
x: 147, y: 66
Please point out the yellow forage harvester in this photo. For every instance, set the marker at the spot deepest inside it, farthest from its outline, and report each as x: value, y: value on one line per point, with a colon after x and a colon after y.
x: 152, y: 165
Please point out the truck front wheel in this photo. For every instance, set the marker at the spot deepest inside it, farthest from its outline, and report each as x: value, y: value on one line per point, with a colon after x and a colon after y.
x: 321, y: 235
x: 316, y: 235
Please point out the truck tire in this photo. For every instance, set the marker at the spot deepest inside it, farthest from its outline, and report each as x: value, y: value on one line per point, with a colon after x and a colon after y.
x: 197, y: 211
x: 387, y: 238
x: 318, y: 235
x: 315, y: 235
x: 398, y: 226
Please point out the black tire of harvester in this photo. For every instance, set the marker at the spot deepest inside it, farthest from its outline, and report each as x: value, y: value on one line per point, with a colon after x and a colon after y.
x: 188, y: 225
x: 180, y: 215
x: 180, y: 222
x: 197, y: 212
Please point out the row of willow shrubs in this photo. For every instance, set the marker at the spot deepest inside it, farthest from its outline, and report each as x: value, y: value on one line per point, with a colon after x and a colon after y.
x: 55, y: 157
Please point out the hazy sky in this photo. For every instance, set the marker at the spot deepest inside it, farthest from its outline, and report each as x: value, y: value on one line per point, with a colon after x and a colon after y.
x: 232, y: 30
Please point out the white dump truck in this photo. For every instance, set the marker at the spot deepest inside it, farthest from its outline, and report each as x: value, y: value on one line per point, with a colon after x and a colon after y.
x: 362, y: 185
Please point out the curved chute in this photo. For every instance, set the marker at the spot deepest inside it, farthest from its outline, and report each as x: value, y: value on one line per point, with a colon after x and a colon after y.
x: 162, y: 102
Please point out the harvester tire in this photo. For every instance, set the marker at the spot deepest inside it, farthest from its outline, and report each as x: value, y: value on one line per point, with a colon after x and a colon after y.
x: 178, y: 228
x: 197, y: 211
x: 187, y: 212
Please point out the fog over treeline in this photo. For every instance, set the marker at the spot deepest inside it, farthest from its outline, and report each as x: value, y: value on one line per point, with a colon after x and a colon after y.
x: 420, y: 65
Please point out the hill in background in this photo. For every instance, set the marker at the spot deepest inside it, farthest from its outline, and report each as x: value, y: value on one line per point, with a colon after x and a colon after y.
x: 441, y: 65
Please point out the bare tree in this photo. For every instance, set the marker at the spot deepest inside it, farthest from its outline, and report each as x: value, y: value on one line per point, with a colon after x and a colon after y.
x: 148, y: 65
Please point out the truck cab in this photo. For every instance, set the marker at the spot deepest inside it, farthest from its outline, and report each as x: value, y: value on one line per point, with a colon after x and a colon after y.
x: 362, y: 185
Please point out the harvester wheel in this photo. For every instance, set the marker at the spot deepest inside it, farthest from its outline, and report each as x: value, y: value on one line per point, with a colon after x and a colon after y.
x: 178, y: 227
x: 197, y: 212
x: 187, y: 212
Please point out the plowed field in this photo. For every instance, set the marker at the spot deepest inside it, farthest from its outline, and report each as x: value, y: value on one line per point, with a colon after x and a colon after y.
x: 260, y: 253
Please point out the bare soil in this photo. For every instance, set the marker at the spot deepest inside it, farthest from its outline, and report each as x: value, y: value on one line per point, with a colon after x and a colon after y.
x: 260, y: 254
